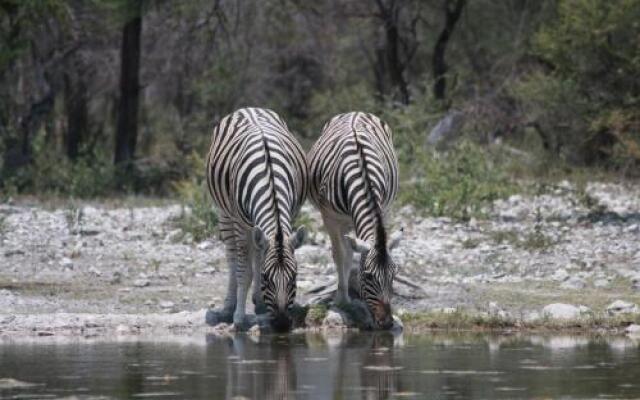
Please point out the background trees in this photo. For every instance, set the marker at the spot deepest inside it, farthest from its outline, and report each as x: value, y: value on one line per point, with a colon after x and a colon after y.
x: 85, y: 85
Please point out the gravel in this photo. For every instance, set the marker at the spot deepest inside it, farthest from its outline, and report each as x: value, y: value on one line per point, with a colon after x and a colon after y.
x: 63, y: 263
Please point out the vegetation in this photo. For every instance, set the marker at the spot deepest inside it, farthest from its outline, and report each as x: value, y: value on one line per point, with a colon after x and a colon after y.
x: 539, y: 86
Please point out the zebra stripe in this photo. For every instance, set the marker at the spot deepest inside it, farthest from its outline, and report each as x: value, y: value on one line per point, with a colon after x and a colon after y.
x: 353, y: 172
x: 257, y: 177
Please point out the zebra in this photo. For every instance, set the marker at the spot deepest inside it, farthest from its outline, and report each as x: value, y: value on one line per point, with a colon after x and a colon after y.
x: 257, y: 177
x: 353, y: 174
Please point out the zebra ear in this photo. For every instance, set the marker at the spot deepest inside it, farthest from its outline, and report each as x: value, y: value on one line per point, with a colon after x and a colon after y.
x: 395, y: 239
x: 358, y: 245
x: 298, y: 238
x: 259, y: 238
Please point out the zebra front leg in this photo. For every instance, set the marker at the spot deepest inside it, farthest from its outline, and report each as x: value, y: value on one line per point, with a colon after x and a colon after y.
x: 342, y: 255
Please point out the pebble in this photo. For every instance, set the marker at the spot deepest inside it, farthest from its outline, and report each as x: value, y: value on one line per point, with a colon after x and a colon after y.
x: 563, y: 311
x: 622, y: 307
x: 143, y: 282
x: 633, y: 328
x: 206, y: 245
x: 166, y: 304
x: 334, y: 319
x: 66, y: 263
x: 573, y: 283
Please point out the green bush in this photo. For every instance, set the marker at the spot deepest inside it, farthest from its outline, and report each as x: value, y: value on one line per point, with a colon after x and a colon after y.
x: 460, y: 183
x: 198, y: 217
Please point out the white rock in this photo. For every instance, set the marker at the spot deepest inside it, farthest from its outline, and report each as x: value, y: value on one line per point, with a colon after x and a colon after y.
x: 398, y: 326
x: 333, y: 319
x: 66, y: 262
x: 123, y: 329
x: 166, y: 304
x: 633, y: 328
x: 601, y: 283
x: 141, y: 282
x: 573, y: 283
x: 622, y: 307
x: 174, y: 235
x: 206, y: 245
x: 560, y: 275
x: 563, y: 311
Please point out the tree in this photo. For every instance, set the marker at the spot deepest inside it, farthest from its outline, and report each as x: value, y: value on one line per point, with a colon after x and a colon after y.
x: 127, y: 125
x: 452, y: 11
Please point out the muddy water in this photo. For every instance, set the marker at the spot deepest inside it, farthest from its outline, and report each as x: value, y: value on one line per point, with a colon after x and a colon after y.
x: 312, y: 366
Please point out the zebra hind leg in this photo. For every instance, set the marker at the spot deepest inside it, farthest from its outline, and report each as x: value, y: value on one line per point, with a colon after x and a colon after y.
x: 244, y: 275
x: 227, y: 235
x: 342, y: 257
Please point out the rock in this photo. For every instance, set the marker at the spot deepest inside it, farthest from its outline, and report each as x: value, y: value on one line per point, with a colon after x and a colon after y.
x: 601, y: 283
x: 398, y: 326
x: 143, y: 282
x: 573, y: 283
x: 560, y: 275
x: 174, y: 236
x: 123, y: 330
x: 254, y: 330
x: 166, y: 304
x: 563, y: 311
x: 95, y: 271
x: 334, y: 319
x: 622, y: 307
x: 633, y: 328
x: 66, y: 263
x: 447, y: 129
x: 532, y: 316
x: 206, y: 245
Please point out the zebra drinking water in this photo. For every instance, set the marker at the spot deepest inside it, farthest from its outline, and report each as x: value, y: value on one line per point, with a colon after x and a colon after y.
x: 353, y: 173
x: 257, y: 177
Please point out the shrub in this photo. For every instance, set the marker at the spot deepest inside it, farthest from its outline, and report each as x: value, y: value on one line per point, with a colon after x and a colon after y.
x: 460, y: 183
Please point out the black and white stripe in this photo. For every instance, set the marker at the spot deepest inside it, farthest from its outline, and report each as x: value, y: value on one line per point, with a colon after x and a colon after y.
x: 353, y: 173
x: 257, y: 177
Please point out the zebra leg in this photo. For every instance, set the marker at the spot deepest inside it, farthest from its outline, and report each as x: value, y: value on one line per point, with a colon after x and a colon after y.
x: 244, y: 274
x: 342, y: 257
x: 227, y: 235
x: 257, y: 260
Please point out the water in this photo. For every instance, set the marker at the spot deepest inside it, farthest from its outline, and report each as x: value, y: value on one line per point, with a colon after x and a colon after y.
x: 312, y: 366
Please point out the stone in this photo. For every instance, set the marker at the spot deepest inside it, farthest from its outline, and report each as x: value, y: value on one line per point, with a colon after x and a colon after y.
x: 174, y: 235
x: 560, y: 275
x: 573, y: 283
x: 66, y: 263
x: 622, y: 307
x: 601, y: 283
x: 398, y: 326
x: 206, y: 245
x: 142, y: 282
x: 166, y: 304
x: 633, y: 328
x: 123, y: 329
x: 563, y: 311
x: 334, y: 319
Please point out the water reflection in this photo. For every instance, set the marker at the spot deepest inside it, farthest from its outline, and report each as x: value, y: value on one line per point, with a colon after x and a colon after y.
x: 317, y: 366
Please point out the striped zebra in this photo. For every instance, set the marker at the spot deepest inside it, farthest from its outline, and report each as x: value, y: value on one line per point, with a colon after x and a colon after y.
x: 257, y: 177
x: 353, y: 173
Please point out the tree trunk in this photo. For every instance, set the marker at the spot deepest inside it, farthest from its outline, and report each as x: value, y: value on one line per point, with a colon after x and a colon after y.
x: 127, y: 127
x: 77, y: 115
x: 439, y: 65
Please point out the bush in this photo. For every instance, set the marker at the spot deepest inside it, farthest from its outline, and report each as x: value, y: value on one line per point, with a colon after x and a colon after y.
x: 460, y: 183
x: 198, y: 217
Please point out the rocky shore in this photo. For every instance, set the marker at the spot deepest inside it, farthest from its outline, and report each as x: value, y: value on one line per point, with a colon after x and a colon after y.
x: 87, y: 269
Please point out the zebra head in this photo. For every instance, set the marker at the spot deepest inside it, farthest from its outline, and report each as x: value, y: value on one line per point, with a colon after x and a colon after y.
x: 377, y: 270
x: 278, y: 283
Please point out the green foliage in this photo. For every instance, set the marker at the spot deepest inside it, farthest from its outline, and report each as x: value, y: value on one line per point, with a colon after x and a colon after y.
x: 315, y: 315
x: 50, y: 172
x: 589, y: 100
x: 198, y: 217
x: 460, y: 184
